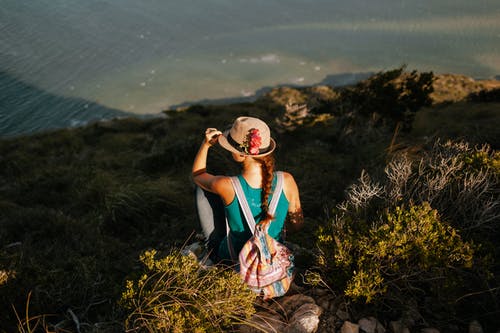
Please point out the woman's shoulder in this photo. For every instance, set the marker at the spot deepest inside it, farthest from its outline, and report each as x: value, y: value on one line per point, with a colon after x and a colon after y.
x: 289, y: 186
x: 287, y: 177
x: 222, y: 183
x: 224, y: 188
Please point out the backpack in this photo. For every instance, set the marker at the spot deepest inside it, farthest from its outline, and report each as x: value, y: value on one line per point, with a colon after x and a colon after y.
x: 265, y: 265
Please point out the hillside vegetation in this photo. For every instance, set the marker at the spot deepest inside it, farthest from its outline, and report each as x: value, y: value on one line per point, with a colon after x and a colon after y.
x: 82, y: 209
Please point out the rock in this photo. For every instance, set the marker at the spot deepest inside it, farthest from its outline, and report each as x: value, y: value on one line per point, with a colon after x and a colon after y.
x: 291, y: 314
x: 289, y: 304
x: 368, y: 325
x: 380, y: 327
x: 195, y: 250
x: 349, y: 327
x: 398, y: 327
x: 264, y: 322
x: 305, y: 319
x: 371, y: 325
x: 342, y: 315
x: 429, y: 330
x: 475, y: 327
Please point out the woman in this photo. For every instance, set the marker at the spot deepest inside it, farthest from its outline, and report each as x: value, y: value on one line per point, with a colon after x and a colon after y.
x: 250, y: 143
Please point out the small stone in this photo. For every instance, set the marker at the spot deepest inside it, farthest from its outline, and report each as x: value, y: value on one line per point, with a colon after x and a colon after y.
x: 381, y: 328
x: 289, y: 304
x: 195, y: 250
x: 475, y: 327
x: 398, y: 327
x: 349, y: 327
x: 368, y: 325
x: 305, y: 319
x: 371, y: 325
x: 264, y: 322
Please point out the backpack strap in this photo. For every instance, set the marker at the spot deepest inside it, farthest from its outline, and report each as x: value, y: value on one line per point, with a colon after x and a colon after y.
x: 277, y: 193
x: 243, y: 203
x: 247, y: 213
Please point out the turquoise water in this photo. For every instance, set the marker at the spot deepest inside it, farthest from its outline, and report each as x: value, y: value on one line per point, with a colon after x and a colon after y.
x: 66, y: 62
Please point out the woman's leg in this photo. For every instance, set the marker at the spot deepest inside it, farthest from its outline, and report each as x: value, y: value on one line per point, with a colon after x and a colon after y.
x: 212, y: 218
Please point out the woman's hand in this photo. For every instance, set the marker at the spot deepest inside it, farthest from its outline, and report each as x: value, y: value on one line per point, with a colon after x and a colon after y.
x: 212, y: 136
x: 199, y: 170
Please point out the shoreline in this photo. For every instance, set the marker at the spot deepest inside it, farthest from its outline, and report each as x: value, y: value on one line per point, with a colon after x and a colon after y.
x: 89, y: 111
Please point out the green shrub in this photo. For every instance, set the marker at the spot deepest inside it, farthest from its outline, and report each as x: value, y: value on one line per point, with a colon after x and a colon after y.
x: 406, y: 250
x: 392, y: 95
x: 426, y: 231
x: 483, y: 160
x: 458, y: 180
x: 176, y: 294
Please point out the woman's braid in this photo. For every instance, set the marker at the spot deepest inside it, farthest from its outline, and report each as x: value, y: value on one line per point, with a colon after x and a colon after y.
x: 267, y: 165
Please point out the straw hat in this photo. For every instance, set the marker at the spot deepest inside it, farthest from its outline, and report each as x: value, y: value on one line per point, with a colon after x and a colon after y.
x: 248, y: 136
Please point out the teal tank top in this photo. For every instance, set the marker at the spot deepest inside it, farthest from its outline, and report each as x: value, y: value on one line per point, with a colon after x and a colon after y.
x: 239, y: 230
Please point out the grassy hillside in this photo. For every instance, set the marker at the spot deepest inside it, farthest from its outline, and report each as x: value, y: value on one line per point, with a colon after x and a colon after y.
x: 78, y: 206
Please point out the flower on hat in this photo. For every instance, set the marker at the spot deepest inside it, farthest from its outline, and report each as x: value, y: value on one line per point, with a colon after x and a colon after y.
x: 253, y: 142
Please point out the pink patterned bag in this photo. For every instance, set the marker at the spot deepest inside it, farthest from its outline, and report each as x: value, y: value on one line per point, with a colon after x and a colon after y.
x: 266, y: 265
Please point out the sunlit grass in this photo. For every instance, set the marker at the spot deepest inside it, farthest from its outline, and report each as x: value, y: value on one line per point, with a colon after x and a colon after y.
x: 78, y: 206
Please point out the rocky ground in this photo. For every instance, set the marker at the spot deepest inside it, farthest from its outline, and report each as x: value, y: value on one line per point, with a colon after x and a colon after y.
x: 319, y: 310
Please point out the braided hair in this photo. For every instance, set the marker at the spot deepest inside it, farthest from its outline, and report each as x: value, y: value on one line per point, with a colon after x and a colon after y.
x: 267, y: 167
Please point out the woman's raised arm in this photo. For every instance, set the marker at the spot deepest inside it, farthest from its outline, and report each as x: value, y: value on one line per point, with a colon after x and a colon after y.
x: 220, y: 185
x: 199, y: 170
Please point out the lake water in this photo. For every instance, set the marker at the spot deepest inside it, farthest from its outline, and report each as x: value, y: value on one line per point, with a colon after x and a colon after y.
x: 67, y: 62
